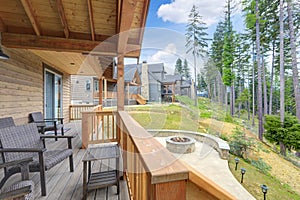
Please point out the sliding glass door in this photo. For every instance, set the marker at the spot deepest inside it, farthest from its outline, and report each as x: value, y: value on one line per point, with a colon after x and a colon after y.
x: 53, y: 94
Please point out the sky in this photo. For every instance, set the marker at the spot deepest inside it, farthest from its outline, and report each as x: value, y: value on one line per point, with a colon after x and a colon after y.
x: 164, y: 37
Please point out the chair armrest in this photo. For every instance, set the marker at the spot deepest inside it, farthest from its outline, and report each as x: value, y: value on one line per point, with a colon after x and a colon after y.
x: 15, y: 162
x: 56, y: 136
x: 20, y: 192
x: 11, y: 150
x: 69, y: 137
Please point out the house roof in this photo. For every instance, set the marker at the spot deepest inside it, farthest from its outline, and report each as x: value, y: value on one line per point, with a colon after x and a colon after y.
x: 171, y: 78
x: 63, y: 32
x: 130, y: 74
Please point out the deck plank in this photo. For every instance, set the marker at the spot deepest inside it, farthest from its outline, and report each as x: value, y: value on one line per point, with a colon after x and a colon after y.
x: 61, y: 183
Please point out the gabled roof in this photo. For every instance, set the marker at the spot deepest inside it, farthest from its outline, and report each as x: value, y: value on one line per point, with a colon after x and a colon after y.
x: 171, y: 78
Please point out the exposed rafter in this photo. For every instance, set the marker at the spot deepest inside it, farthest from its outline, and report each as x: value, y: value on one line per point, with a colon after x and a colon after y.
x: 126, y: 18
x: 145, y: 10
x: 3, y: 27
x: 29, y: 11
x: 91, y: 16
x: 63, y: 18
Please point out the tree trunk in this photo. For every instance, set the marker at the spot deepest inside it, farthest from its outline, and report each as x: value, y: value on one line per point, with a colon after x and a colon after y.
x: 240, y: 103
x: 281, y: 63
x: 282, y: 148
x: 253, y: 92
x: 233, y: 99
x: 259, y: 74
x: 271, y: 78
x: 294, y: 59
x: 265, y: 87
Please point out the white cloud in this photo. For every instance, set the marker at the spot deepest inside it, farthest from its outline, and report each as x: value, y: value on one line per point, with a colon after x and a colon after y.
x: 178, y: 10
x: 167, y: 56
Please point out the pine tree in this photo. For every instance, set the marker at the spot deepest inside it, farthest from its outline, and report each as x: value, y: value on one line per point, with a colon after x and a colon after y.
x: 186, y: 70
x: 178, y: 67
x: 196, y: 38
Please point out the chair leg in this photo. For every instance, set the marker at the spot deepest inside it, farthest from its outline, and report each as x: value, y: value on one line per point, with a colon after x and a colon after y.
x: 42, y: 174
x: 71, y: 163
x: 62, y: 131
x: 55, y: 133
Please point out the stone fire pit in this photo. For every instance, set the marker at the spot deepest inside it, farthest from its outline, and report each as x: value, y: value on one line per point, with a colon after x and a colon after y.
x: 180, y: 144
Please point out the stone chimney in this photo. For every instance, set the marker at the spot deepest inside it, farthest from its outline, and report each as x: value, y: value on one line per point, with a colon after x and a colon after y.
x: 145, y: 81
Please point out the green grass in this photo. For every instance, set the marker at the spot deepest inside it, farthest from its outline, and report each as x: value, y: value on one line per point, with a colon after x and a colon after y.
x: 253, y: 178
x: 166, y: 117
x: 186, y: 118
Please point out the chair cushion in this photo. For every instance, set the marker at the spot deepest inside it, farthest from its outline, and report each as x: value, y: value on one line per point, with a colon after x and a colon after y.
x: 6, y: 122
x: 51, y: 158
x: 19, y: 185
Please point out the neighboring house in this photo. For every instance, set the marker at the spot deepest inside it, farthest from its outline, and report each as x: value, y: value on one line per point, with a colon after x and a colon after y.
x: 84, y: 90
x: 156, y: 84
x: 152, y: 76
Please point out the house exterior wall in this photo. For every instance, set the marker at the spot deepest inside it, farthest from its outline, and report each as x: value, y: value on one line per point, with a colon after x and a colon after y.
x: 155, y: 88
x: 22, y: 86
x: 81, y: 93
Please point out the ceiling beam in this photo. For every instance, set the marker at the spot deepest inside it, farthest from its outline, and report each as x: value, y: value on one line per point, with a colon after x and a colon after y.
x: 30, y: 14
x: 63, y: 18
x: 3, y: 27
x: 126, y: 18
x: 91, y: 16
x: 24, y: 41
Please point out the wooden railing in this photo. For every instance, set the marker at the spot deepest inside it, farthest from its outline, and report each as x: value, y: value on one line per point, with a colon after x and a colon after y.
x: 76, y: 110
x: 153, y: 173
x: 98, y: 127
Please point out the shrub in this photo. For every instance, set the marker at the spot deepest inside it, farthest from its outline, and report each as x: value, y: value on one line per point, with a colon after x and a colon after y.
x: 261, y: 165
x: 240, y: 144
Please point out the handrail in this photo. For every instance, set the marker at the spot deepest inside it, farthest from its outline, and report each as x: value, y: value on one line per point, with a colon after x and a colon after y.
x: 149, y: 167
x: 98, y: 126
x: 76, y: 110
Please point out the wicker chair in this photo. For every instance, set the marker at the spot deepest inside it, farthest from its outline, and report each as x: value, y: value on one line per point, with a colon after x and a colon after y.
x: 22, y: 189
x: 24, y: 141
x: 6, y: 122
x: 44, y: 125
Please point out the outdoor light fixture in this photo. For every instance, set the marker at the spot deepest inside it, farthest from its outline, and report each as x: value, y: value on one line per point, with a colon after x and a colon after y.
x: 243, y: 171
x: 237, y: 160
x: 3, y: 56
x: 264, y: 189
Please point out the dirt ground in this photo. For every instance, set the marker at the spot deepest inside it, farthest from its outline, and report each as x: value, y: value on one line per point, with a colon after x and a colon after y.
x: 282, y: 169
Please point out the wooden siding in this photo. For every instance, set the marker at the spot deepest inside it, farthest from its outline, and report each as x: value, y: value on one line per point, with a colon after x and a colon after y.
x: 22, y: 86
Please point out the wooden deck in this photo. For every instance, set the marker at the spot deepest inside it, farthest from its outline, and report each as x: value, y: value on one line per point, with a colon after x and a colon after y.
x: 62, y: 184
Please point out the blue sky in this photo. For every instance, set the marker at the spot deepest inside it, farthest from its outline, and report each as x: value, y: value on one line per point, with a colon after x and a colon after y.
x: 164, y: 37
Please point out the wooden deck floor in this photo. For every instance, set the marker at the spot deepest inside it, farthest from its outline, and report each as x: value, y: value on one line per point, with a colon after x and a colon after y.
x: 64, y: 185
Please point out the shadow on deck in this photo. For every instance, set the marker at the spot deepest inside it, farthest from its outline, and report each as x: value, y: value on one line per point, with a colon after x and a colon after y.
x: 62, y: 184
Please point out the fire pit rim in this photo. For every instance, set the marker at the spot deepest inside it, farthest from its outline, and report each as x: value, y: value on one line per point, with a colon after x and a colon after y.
x: 190, y: 140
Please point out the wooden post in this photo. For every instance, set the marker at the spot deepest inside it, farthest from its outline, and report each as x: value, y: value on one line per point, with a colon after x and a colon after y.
x: 173, y: 93
x: 120, y: 87
x: 100, y: 91
x: 105, y: 88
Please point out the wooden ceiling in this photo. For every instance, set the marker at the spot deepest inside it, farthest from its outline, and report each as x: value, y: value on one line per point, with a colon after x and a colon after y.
x: 64, y: 32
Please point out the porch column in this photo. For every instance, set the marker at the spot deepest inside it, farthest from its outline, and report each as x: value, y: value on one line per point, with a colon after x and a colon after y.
x: 120, y: 87
x: 173, y: 93
x: 100, y: 91
x: 105, y: 88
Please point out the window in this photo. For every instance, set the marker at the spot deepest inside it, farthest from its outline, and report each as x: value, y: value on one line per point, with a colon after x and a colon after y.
x: 88, y: 85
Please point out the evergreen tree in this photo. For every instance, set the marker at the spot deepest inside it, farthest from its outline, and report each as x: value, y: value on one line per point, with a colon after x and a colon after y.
x: 196, y: 38
x: 178, y: 67
x: 186, y: 70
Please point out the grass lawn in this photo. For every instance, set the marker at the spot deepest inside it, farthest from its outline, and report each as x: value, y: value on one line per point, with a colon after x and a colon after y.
x: 253, y: 178
x: 207, y: 118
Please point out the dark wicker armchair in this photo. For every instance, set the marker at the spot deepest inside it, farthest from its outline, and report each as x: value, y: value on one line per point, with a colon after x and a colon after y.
x: 21, y: 189
x: 6, y: 122
x: 43, y: 125
x: 19, y: 142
